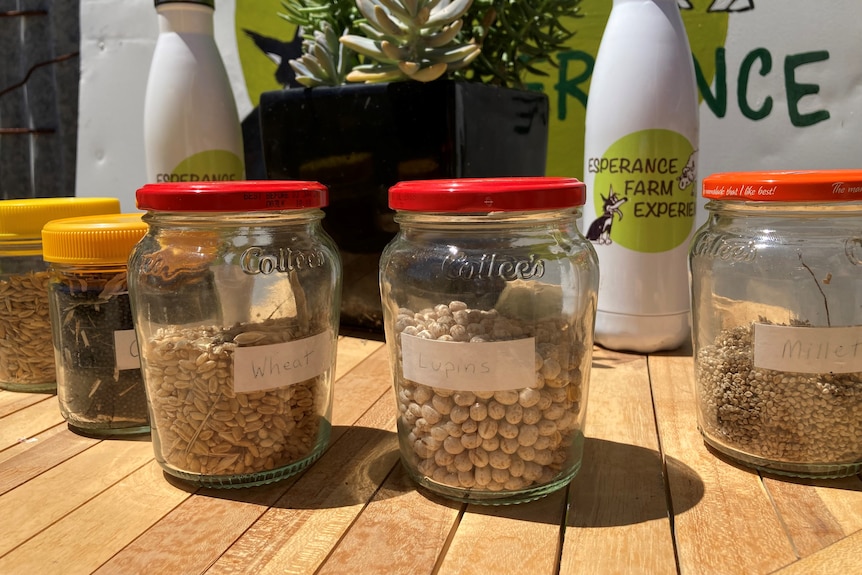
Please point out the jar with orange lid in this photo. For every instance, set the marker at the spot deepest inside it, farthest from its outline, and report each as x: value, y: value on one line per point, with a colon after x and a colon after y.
x: 26, y: 351
x: 99, y: 381
x: 777, y: 320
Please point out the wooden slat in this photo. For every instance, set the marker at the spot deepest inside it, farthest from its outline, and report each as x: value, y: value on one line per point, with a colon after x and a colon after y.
x: 32, y: 442
x: 36, y: 505
x: 843, y: 557
x: 723, y: 519
x: 402, y: 530
x: 842, y: 498
x: 51, y: 448
x: 193, y: 535
x: 806, y: 512
x: 619, y: 519
x: 30, y: 422
x: 353, y: 351
x: 298, y: 532
x: 517, y: 539
x: 12, y: 401
x: 88, y: 536
x: 367, y: 381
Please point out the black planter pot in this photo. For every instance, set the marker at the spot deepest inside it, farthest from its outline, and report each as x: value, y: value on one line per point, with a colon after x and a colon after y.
x: 361, y: 139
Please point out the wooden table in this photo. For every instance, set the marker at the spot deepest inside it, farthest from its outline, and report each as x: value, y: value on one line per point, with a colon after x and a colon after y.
x: 649, y: 499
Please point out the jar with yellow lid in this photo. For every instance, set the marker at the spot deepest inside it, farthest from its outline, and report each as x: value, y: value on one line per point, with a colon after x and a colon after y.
x: 26, y: 351
x: 777, y: 320
x: 99, y: 381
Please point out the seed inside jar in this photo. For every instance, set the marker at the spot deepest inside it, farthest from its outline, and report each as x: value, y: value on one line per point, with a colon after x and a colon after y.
x: 503, y: 440
x: 203, y: 426
x: 777, y: 415
x: 26, y: 347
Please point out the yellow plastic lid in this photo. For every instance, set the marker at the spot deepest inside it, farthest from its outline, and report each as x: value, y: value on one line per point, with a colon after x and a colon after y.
x: 23, y: 219
x: 100, y: 239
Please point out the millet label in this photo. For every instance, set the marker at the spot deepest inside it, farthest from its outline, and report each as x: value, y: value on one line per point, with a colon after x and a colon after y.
x: 208, y: 166
x: 808, y: 349
x: 644, y: 191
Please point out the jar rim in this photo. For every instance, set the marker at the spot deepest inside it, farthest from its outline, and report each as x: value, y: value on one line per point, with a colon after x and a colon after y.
x: 471, y: 195
x: 232, y: 196
x: 785, y: 186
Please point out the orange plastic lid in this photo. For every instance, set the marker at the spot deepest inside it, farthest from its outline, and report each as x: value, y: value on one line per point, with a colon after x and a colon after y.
x: 790, y: 186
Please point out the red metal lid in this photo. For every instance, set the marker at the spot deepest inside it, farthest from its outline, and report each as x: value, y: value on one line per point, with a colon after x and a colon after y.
x: 463, y: 195
x: 795, y: 186
x: 232, y: 196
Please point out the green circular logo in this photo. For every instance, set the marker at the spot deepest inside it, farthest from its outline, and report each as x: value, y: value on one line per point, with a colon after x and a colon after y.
x: 643, y: 192
x: 209, y: 166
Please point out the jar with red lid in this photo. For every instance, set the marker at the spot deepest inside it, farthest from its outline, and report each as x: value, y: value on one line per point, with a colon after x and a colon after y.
x: 235, y: 294
x: 489, y: 299
x: 777, y: 320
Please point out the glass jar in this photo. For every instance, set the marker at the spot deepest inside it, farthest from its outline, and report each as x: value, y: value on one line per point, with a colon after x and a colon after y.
x: 26, y: 349
x: 235, y: 295
x: 99, y: 382
x: 489, y: 299
x: 777, y: 320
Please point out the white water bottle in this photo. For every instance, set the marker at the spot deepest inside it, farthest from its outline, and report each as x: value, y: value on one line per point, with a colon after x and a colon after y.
x: 640, y: 148
x: 191, y: 125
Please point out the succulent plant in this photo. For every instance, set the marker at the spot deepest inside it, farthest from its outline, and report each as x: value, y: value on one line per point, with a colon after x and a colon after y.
x: 516, y: 36
x: 410, y: 39
x: 324, y: 61
x: 488, y: 41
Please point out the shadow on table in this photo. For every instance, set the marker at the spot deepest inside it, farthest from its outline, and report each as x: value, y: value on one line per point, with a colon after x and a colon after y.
x: 618, y: 484
x: 356, y: 462
x: 622, y: 484
x: 847, y: 483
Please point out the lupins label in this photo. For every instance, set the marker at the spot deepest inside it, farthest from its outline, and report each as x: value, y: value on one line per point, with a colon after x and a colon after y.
x: 643, y: 191
x: 478, y: 366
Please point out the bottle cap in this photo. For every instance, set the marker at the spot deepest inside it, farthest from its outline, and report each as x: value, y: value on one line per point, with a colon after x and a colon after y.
x: 785, y: 186
x: 210, y: 3
x: 23, y: 219
x: 232, y: 196
x: 478, y: 195
x: 101, y: 239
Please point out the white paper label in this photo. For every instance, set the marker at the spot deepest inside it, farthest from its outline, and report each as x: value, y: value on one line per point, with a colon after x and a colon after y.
x: 808, y: 349
x: 481, y: 366
x: 261, y: 367
x: 126, y: 350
